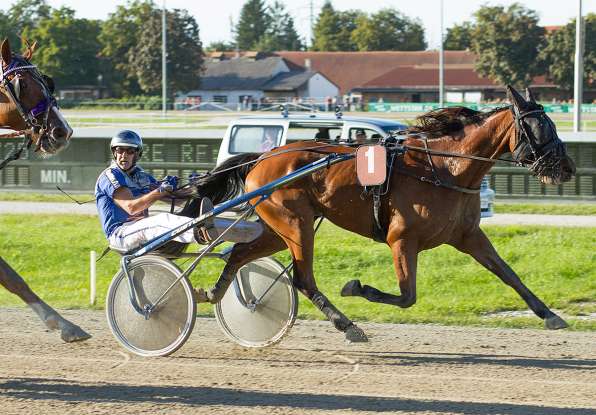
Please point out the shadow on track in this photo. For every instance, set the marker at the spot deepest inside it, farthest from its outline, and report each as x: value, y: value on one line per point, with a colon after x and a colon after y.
x: 59, y: 390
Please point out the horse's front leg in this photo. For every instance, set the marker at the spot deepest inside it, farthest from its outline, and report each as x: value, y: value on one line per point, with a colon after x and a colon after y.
x: 481, y: 249
x: 405, y: 260
x: 15, y: 284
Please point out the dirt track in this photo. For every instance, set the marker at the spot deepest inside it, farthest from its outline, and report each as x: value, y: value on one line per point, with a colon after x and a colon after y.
x: 404, y: 369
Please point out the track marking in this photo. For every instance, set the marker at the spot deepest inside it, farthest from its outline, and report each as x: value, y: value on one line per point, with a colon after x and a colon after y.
x: 126, y: 360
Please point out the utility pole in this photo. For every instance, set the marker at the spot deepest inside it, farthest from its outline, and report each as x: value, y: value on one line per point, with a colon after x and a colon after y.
x: 579, y: 70
x: 312, y: 22
x: 441, y: 64
x: 164, y: 75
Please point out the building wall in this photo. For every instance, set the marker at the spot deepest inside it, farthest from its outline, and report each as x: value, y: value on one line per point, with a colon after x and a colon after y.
x: 232, y: 97
x: 320, y: 87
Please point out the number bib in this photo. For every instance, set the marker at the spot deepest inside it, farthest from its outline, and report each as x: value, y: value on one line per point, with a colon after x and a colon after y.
x: 371, y: 165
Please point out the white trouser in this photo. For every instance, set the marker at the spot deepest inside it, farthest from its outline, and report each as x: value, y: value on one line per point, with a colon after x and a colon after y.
x: 133, y: 234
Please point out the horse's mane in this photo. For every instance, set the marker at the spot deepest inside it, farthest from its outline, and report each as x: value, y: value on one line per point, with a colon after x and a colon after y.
x: 448, y: 121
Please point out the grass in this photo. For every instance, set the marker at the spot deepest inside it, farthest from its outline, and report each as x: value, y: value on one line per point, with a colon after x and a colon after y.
x: 579, y: 208
x: 52, y: 254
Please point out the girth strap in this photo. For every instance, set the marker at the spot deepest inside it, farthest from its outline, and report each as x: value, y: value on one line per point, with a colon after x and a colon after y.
x: 379, y: 234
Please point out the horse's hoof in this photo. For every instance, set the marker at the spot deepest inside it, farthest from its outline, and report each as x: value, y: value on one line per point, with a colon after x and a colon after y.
x: 555, y: 323
x: 201, y: 296
x: 354, y: 334
x: 352, y: 288
x: 74, y: 333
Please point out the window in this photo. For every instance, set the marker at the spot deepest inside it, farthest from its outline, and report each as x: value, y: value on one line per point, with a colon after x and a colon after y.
x: 362, y: 135
x: 248, y: 139
x: 222, y: 99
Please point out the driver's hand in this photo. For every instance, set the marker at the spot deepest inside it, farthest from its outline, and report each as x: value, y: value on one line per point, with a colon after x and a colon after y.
x: 168, y: 184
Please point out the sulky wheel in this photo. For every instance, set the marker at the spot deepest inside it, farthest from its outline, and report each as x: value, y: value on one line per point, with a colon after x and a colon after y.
x: 169, y: 325
x: 258, y: 310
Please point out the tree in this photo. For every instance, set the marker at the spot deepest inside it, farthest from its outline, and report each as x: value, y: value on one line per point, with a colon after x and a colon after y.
x: 220, y: 46
x: 333, y: 29
x: 388, y: 29
x: 253, y: 24
x: 558, y: 54
x: 185, y: 53
x: 119, y: 35
x: 459, y: 37
x: 506, y: 44
x: 281, y: 33
x: 24, y: 14
x: 69, y: 47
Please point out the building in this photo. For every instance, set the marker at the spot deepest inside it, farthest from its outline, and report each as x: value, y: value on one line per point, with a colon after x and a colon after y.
x: 413, y: 76
x: 245, y: 81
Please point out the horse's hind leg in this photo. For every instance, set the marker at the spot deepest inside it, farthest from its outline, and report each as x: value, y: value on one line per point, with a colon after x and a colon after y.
x: 15, y: 284
x: 481, y: 249
x: 405, y: 259
x: 297, y: 231
x: 266, y: 244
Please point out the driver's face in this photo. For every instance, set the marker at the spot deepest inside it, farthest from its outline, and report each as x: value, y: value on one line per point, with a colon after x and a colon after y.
x: 126, y: 157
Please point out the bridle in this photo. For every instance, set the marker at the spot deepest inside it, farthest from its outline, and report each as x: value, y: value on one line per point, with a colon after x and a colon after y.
x: 11, y: 87
x: 529, y: 153
x: 526, y: 153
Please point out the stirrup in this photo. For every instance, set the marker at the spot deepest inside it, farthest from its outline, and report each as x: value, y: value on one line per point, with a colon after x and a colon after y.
x: 206, y: 232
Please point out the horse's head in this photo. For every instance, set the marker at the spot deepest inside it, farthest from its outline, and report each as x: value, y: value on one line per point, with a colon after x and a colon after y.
x: 536, y: 144
x: 29, y: 101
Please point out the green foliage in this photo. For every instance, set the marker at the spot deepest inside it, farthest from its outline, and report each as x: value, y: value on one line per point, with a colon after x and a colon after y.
x: 333, y: 29
x: 559, y: 52
x: 388, y: 29
x: 506, y: 43
x: 459, y: 37
x: 184, y: 53
x: 281, y: 33
x: 253, y: 24
x: 221, y: 46
x: 68, y: 47
x: 21, y: 16
x: 119, y: 36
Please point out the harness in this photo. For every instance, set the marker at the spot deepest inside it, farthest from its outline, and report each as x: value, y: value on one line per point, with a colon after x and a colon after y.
x: 394, y: 146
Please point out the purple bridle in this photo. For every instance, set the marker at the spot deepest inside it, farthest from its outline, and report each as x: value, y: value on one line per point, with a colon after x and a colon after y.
x: 12, y: 88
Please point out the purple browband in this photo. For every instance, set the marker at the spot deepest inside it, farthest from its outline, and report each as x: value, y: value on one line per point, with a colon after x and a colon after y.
x: 43, y: 105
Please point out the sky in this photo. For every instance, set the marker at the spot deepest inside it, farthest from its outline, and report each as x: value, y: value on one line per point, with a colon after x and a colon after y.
x: 214, y: 22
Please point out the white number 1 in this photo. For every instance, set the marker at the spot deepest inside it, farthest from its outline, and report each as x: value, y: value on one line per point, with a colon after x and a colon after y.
x: 370, y: 155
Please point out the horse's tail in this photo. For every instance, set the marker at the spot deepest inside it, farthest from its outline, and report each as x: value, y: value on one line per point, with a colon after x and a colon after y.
x: 226, y: 181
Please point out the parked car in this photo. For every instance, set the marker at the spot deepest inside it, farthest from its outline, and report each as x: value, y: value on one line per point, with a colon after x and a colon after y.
x: 262, y: 133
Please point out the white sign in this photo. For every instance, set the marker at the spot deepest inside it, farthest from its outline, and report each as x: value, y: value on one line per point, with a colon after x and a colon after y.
x: 54, y: 177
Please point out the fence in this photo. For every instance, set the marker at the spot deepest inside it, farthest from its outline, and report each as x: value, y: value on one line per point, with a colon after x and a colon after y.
x: 182, y: 151
x: 429, y: 106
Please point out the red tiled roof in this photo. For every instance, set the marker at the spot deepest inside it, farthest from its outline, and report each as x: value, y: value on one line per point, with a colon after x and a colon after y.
x: 351, y: 70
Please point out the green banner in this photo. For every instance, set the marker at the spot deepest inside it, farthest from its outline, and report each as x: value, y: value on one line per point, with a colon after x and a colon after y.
x: 429, y: 106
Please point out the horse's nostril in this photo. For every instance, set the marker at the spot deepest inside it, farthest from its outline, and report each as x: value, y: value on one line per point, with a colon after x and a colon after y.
x: 59, y: 133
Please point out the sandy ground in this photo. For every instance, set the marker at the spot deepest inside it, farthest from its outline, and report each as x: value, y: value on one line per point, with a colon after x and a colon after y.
x: 404, y: 369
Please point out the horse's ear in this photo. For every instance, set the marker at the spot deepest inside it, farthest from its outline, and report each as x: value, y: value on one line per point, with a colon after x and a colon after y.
x: 515, y: 98
x: 530, y: 96
x: 30, y: 49
x: 6, y: 53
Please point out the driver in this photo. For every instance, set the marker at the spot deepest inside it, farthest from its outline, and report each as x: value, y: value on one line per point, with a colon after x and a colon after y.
x: 124, y: 192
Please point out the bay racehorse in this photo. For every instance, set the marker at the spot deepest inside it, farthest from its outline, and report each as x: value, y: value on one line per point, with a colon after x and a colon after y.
x: 432, y: 199
x: 27, y: 105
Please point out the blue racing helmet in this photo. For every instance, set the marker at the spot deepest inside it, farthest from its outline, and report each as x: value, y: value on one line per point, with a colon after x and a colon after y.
x: 127, y: 138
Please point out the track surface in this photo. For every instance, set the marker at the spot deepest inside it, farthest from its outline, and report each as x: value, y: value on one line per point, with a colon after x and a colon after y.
x: 405, y: 369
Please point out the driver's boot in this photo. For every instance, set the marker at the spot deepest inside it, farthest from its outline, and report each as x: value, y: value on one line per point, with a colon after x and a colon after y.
x: 206, y: 232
